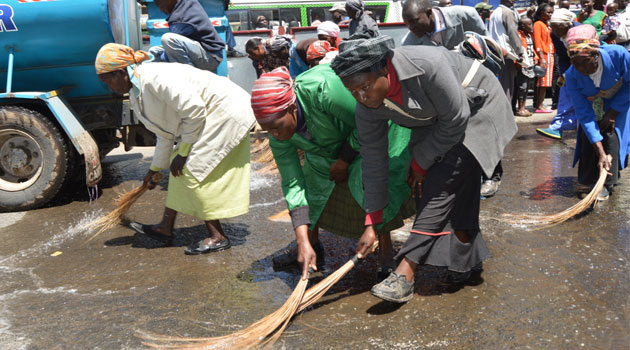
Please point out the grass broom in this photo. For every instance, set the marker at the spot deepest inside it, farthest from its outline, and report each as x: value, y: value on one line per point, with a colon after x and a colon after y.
x: 123, y: 203
x: 264, y: 332
x: 548, y: 220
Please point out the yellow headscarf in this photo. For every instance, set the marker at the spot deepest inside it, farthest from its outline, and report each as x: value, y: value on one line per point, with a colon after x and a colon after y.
x: 112, y: 57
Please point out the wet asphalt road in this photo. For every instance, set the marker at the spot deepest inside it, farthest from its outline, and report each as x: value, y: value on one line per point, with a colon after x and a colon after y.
x: 565, y: 287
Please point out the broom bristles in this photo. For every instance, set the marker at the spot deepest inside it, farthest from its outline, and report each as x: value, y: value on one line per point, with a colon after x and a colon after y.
x: 548, y: 220
x: 124, y: 201
x: 264, y: 332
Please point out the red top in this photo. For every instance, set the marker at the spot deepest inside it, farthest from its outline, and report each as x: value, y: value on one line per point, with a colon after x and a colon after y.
x: 395, y: 89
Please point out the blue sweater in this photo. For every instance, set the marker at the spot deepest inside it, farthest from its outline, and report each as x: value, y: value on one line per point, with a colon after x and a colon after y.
x: 191, y: 20
x: 616, y: 65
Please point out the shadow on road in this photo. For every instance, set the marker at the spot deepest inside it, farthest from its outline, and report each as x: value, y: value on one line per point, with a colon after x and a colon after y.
x: 430, y: 280
x: 236, y: 232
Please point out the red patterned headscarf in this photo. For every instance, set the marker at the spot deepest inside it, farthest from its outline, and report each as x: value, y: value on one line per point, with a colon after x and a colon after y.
x: 272, y: 94
x: 582, y: 41
x: 318, y: 49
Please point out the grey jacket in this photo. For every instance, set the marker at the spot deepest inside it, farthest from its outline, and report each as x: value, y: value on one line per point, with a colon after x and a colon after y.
x: 363, y: 24
x: 431, y: 88
x: 458, y: 20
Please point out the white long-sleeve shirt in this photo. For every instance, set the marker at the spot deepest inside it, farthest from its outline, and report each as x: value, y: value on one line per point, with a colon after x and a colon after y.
x: 180, y: 103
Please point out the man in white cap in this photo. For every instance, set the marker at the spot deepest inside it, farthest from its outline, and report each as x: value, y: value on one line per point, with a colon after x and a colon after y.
x: 328, y: 31
x: 338, y: 12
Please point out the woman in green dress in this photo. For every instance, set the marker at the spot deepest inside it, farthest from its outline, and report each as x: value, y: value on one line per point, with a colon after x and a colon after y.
x: 316, y: 115
x: 589, y: 15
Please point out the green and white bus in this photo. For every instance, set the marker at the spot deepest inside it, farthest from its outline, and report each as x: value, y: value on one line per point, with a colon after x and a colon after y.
x: 242, y: 14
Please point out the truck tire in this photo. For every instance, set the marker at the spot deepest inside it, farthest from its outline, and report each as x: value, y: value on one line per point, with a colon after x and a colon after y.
x: 34, y: 159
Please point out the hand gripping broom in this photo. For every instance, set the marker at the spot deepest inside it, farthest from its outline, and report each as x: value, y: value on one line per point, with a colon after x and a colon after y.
x: 264, y: 332
x: 123, y: 203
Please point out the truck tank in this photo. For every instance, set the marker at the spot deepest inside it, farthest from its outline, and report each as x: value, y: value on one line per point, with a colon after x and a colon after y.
x: 79, y: 29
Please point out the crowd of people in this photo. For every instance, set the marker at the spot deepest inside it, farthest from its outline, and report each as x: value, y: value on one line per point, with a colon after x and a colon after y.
x: 386, y: 132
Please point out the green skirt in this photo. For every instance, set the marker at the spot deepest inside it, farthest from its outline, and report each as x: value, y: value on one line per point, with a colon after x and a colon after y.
x: 343, y: 216
x: 224, y: 193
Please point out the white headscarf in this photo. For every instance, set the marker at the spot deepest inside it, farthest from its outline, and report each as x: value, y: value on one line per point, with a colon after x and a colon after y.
x: 328, y: 28
x: 562, y: 16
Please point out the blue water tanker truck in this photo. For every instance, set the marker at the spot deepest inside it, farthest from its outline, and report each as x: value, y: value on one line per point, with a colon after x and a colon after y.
x: 56, y: 117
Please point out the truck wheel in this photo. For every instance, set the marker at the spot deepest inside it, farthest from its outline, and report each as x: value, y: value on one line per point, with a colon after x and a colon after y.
x: 33, y: 159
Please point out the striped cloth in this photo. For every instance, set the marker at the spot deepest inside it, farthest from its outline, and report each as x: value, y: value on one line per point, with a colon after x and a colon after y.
x: 272, y: 94
x: 546, y: 80
x: 360, y: 53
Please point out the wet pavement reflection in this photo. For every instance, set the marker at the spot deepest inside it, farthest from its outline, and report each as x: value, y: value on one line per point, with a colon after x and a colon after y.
x: 564, y: 287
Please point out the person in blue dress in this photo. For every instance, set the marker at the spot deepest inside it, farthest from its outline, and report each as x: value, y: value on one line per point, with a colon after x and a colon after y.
x: 599, y: 86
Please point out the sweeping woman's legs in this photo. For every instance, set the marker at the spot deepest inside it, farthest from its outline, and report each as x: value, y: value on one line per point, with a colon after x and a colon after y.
x: 165, y: 226
x: 216, y: 232
x: 446, y: 229
x: 408, y: 268
x: 385, y: 255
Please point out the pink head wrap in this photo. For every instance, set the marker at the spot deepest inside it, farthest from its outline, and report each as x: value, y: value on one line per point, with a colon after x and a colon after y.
x: 272, y: 94
x: 582, y: 40
x: 328, y: 28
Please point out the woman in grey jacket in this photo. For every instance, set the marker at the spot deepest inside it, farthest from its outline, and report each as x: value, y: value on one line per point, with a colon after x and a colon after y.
x: 457, y: 133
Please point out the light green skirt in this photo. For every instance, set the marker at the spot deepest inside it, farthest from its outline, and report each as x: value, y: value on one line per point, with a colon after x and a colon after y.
x: 224, y: 193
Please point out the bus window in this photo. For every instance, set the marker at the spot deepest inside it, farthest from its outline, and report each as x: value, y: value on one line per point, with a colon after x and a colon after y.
x: 378, y: 12
x: 320, y: 14
x: 290, y: 17
x: 239, y: 19
x: 267, y: 13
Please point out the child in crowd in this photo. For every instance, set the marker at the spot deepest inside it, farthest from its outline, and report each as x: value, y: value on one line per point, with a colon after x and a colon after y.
x: 524, y: 74
x: 611, y: 23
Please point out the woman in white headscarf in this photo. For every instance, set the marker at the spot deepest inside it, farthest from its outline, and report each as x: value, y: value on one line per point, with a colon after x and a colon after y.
x: 202, y: 130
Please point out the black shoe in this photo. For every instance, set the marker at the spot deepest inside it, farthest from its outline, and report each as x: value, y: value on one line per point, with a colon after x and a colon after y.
x: 235, y: 53
x: 148, y: 231
x: 288, y: 256
x: 202, y: 248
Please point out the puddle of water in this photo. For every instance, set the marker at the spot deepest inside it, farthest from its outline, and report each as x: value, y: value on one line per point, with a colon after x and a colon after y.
x: 258, y: 181
x: 77, y: 229
x: 8, y: 339
x: 9, y: 272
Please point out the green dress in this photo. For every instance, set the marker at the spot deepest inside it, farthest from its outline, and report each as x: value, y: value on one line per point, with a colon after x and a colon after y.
x: 328, y: 109
x: 596, y: 21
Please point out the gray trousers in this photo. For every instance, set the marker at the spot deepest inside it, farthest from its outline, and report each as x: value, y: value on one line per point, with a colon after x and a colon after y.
x: 507, y: 74
x: 181, y: 49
